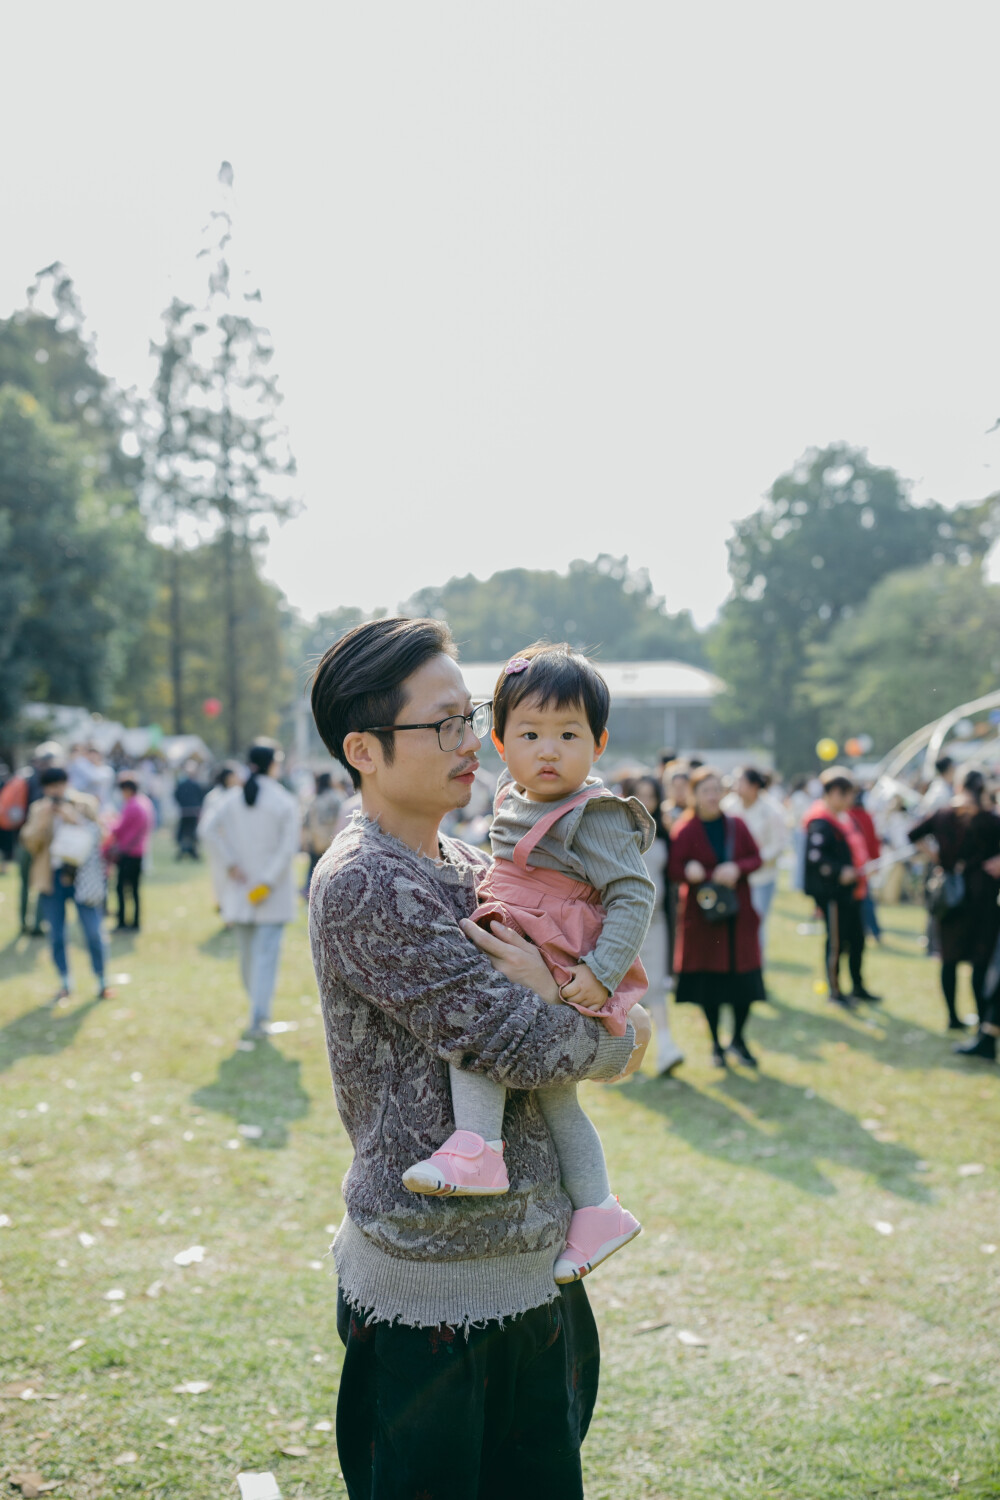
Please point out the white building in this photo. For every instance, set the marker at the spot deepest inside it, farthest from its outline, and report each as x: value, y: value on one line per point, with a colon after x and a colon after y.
x: 653, y: 703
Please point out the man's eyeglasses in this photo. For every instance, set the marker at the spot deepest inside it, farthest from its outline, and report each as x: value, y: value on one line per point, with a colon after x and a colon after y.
x: 450, y: 731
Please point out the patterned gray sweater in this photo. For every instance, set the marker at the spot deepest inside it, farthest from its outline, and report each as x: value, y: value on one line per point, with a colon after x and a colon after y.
x: 404, y: 993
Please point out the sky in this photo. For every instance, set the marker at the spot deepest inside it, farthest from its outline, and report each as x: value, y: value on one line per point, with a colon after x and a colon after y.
x: 544, y: 279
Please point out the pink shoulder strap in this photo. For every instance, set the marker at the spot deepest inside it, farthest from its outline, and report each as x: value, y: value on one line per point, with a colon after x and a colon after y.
x: 525, y: 845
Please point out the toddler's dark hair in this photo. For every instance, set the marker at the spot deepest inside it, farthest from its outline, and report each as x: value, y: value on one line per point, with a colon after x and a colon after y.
x: 556, y: 676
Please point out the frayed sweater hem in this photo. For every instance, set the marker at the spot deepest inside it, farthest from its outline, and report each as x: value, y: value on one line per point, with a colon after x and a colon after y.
x: 462, y: 1294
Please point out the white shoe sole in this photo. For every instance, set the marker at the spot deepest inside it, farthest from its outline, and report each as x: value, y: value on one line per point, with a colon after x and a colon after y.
x: 669, y: 1061
x: 419, y: 1180
x: 577, y: 1273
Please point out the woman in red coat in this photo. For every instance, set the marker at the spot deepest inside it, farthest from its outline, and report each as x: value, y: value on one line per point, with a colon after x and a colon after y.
x: 718, y: 963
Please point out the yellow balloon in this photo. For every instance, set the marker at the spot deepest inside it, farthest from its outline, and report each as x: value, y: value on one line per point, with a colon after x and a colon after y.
x: 827, y: 749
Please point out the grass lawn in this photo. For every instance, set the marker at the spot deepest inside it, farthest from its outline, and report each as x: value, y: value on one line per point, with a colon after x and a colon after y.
x: 811, y: 1311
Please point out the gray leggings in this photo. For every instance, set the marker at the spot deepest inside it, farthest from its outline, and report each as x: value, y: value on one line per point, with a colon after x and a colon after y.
x: 478, y: 1105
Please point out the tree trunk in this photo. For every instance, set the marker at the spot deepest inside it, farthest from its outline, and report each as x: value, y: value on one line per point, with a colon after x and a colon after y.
x: 231, y: 628
x: 176, y: 641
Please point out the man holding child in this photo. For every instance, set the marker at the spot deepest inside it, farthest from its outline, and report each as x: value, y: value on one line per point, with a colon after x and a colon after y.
x: 468, y: 1372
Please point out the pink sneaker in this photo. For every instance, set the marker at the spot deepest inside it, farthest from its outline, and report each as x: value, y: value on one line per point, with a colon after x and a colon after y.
x: 594, y: 1234
x: 464, y: 1167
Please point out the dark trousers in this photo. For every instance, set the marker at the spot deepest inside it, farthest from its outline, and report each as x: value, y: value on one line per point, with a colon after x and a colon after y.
x: 845, y: 933
x: 499, y: 1414
x: 129, y: 875
x: 187, y: 835
x: 949, y: 983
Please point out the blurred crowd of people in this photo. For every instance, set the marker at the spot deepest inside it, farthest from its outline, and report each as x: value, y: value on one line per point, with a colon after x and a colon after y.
x: 936, y: 845
x: 78, y: 830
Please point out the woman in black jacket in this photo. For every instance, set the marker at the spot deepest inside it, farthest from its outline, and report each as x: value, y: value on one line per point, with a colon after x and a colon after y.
x: 967, y: 833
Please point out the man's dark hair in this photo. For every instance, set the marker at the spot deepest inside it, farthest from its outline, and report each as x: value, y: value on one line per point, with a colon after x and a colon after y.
x: 52, y: 775
x: 556, y: 676
x: 359, y: 682
x: 943, y: 765
x: 128, y: 784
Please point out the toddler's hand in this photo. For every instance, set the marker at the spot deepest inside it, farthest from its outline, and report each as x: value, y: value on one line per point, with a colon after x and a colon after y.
x: 584, y: 988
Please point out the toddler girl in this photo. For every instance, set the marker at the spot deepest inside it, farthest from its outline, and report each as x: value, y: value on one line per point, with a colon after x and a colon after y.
x: 568, y: 874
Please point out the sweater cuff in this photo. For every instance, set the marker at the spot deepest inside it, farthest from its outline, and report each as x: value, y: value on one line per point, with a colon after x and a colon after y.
x: 613, y: 1053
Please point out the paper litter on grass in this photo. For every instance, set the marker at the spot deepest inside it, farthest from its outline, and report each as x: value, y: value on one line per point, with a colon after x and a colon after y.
x: 258, y: 1486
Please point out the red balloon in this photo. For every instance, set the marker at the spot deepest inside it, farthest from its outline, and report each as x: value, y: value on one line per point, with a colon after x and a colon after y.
x: 211, y: 708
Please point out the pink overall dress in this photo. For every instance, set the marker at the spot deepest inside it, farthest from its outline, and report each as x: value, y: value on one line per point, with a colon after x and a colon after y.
x: 563, y: 917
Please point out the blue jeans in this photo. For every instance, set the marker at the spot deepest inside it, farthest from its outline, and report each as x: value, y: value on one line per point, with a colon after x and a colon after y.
x: 260, y: 950
x: 54, y: 912
x: 761, y: 897
x: 869, y: 916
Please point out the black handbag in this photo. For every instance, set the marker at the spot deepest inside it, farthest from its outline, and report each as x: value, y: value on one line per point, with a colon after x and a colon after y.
x: 719, y: 903
x: 945, y: 892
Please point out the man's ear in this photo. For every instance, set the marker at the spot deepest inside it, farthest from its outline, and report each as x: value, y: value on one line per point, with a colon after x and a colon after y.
x: 357, y: 753
x: 497, y: 744
x: 600, y: 745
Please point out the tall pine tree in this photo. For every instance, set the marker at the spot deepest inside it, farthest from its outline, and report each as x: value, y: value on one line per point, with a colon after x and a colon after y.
x: 222, y: 453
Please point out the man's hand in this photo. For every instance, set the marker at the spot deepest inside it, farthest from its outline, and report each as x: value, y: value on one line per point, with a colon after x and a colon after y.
x: 236, y: 875
x: 728, y: 873
x: 513, y: 957
x: 584, y: 988
x: 849, y: 875
x: 992, y: 866
x: 643, y: 1028
x: 694, y: 872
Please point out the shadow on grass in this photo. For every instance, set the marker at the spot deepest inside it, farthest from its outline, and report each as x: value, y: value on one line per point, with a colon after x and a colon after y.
x: 21, y: 955
x: 41, y: 1032
x: 788, y: 966
x: 807, y: 1034
x: 260, y: 1088
x: 222, y: 944
x: 773, y: 1127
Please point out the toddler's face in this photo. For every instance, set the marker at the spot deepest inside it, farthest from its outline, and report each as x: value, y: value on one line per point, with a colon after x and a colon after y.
x: 549, y: 751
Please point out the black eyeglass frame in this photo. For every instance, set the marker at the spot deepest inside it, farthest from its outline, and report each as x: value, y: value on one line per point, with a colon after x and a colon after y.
x: 469, y: 719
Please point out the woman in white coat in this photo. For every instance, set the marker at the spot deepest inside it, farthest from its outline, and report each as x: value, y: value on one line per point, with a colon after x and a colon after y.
x: 655, y: 952
x: 751, y: 801
x: 254, y: 829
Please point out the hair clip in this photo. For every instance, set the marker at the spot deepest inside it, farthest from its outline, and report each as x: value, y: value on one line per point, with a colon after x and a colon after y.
x: 516, y: 664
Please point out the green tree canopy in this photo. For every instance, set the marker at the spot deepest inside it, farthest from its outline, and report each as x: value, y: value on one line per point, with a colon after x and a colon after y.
x: 46, y: 351
x: 71, y: 566
x: 923, y: 641
x: 827, y: 532
x: 602, y: 605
